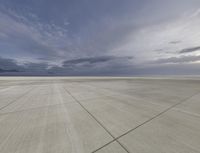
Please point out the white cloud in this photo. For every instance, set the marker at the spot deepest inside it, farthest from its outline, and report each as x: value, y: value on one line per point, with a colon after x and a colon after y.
x: 153, y: 41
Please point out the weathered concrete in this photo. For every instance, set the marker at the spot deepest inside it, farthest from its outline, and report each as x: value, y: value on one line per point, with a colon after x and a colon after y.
x: 103, y: 115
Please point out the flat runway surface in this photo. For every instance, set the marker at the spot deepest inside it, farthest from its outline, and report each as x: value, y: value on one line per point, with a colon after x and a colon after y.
x: 102, y: 115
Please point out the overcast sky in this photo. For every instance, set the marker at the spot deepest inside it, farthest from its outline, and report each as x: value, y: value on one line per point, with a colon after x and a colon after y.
x: 99, y: 37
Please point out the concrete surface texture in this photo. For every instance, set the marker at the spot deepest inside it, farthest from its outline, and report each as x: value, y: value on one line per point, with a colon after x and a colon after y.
x: 102, y: 115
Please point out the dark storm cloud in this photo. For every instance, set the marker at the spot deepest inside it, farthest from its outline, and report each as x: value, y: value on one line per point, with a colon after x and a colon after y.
x: 93, y: 60
x: 182, y: 59
x: 10, y: 70
x: 9, y: 65
x: 101, y: 65
x: 105, y: 65
x: 189, y: 50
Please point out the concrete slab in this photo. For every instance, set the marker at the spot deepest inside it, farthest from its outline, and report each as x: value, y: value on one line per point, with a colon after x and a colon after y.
x: 161, y: 91
x: 191, y: 106
x: 55, y: 129
x: 121, y: 116
x: 12, y: 93
x: 84, y: 114
x: 40, y: 96
x: 173, y: 132
x: 82, y: 92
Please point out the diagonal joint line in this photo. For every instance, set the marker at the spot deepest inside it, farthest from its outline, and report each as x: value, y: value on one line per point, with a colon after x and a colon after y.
x: 154, y: 117
x: 114, y: 139
x: 158, y: 115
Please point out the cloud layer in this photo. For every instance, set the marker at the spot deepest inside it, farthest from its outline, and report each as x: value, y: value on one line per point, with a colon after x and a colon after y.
x: 112, y: 37
x: 104, y: 65
x: 189, y: 50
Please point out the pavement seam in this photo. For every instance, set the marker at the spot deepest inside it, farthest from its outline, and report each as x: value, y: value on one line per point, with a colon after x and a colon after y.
x: 114, y: 139
x: 156, y: 116
x: 16, y: 99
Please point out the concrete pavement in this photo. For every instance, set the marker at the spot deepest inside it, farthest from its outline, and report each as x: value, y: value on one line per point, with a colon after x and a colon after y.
x: 99, y: 114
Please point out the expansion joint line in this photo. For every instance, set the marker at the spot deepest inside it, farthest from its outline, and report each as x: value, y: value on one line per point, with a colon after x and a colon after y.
x: 158, y: 115
x: 154, y: 117
x: 114, y: 139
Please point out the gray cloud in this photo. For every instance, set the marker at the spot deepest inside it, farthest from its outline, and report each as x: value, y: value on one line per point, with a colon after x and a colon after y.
x: 9, y: 65
x: 9, y: 70
x: 93, y: 60
x: 174, y: 42
x: 170, y: 69
x: 89, y: 60
x: 182, y: 59
x: 110, y: 66
x: 189, y: 50
x: 103, y: 65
